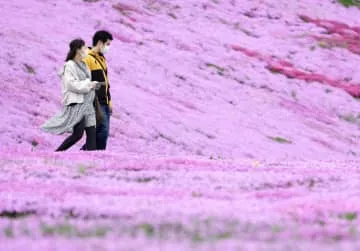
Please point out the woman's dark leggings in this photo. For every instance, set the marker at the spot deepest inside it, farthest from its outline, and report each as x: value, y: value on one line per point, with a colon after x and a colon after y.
x: 77, y: 135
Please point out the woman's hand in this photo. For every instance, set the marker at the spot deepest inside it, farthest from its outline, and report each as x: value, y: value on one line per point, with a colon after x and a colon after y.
x: 93, y: 84
x: 97, y: 85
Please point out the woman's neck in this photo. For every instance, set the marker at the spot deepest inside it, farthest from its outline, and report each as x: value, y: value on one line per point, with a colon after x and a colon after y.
x: 77, y: 59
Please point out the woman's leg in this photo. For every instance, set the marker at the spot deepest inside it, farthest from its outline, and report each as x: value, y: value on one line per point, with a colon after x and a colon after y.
x: 90, y: 144
x: 74, y: 137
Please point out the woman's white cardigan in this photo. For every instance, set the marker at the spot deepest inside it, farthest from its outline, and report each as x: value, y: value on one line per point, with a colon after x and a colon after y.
x: 73, y: 89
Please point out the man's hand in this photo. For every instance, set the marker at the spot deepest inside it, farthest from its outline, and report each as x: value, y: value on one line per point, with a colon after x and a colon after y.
x: 110, y: 108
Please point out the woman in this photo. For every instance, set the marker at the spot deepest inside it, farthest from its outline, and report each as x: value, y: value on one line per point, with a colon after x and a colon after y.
x: 78, y: 93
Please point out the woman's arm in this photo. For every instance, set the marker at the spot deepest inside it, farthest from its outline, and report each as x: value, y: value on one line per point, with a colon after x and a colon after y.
x: 74, y: 84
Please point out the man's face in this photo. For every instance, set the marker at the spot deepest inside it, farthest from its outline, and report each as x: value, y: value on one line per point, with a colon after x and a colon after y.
x: 104, y: 47
x: 107, y: 43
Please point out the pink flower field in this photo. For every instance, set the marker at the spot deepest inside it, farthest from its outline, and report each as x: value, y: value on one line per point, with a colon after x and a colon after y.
x: 235, y: 127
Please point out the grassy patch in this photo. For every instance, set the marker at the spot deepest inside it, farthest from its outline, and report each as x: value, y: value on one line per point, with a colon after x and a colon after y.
x: 349, y: 118
x: 199, y: 232
x: 196, y: 237
x: 196, y: 230
x: 281, y: 140
x: 15, y: 214
x: 68, y: 230
x: 350, y: 216
x: 167, y: 138
x: 172, y: 15
x: 148, y: 229
x: 321, y: 222
x: 216, y: 157
x: 145, y: 179
x: 223, y: 236
x: 34, y: 143
x: 312, y: 48
x: 82, y: 169
x: 353, y: 231
x: 180, y: 77
x: 9, y: 232
x: 352, y: 153
x: 276, y: 229
x: 348, y: 3
x: 274, y: 71
x: 196, y: 194
x: 29, y: 69
x: 324, y: 44
x: 220, y: 70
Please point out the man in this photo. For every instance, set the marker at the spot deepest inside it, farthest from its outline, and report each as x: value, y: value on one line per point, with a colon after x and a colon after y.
x: 99, y: 72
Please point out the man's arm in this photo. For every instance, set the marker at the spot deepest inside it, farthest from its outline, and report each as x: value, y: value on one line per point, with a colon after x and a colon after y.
x: 109, y: 98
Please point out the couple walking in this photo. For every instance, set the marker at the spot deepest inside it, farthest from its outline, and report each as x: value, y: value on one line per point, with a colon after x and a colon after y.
x: 86, y: 95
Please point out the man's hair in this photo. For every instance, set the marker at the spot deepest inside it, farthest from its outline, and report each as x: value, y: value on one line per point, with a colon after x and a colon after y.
x: 102, y: 36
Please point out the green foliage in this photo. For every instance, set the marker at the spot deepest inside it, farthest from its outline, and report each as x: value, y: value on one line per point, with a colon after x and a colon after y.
x: 349, y: 118
x: 29, y: 69
x: 196, y: 194
x: 82, y: 169
x: 9, y: 232
x: 145, y: 179
x: 148, y: 229
x: 15, y: 214
x: 34, y: 143
x: 281, y: 140
x: 68, y: 230
x: 350, y: 216
x: 324, y: 44
x: 348, y: 3
x: 220, y: 70
x: 172, y: 15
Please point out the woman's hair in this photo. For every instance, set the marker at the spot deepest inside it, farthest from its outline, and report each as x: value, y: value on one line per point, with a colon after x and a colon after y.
x: 74, y: 46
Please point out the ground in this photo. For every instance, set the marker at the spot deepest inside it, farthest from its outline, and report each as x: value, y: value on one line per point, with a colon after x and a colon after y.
x: 235, y: 127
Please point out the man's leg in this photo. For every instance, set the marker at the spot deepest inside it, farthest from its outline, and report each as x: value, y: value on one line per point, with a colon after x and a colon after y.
x: 102, y: 130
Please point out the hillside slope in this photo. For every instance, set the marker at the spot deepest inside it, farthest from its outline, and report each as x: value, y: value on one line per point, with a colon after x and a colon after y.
x: 235, y: 127
x: 220, y: 79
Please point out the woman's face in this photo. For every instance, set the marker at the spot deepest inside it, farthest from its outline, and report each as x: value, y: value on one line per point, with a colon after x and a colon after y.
x: 83, y: 52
